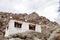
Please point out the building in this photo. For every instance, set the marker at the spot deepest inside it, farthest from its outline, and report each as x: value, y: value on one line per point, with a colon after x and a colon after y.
x: 20, y: 26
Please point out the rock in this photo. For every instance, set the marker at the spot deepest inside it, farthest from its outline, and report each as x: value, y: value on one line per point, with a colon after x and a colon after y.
x: 29, y: 35
x: 48, y: 27
x: 35, y: 38
x: 58, y: 37
x: 15, y: 39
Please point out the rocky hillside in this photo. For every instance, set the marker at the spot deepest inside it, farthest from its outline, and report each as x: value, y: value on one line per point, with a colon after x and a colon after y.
x: 49, y: 29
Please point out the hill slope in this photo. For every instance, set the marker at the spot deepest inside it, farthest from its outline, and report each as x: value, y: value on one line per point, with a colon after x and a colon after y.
x: 48, y: 27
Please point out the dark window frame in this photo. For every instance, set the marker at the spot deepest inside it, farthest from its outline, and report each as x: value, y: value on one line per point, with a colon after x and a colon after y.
x: 32, y: 26
x: 17, y: 25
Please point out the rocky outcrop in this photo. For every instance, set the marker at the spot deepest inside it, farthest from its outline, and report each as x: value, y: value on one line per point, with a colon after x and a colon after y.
x: 29, y: 35
x: 48, y: 27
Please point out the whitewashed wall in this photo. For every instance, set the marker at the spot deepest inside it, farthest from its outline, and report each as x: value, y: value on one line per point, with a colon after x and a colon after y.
x: 25, y: 27
x: 38, y: 28
x: 10, y: 28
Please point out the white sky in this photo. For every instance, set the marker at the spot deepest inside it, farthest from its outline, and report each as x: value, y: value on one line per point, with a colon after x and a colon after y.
x: 47, y: 8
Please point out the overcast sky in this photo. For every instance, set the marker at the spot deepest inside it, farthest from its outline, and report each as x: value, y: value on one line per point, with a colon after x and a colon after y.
x: 47, y: 8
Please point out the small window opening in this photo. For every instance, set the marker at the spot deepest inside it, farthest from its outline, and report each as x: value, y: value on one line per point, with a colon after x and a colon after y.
x: 7, y: 28
x: 18, y: 25
x: 32, y: 27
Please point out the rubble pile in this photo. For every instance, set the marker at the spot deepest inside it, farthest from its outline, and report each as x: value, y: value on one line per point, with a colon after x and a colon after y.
x: 29, y: 35
x: 48, y: 27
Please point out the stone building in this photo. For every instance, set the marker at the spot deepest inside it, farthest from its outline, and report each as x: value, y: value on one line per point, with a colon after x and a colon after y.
x: 16, y: 26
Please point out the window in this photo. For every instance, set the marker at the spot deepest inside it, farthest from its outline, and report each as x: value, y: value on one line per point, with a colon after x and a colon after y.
x: 7, y: 28
x: 18, y: 25
x: 32, y: 27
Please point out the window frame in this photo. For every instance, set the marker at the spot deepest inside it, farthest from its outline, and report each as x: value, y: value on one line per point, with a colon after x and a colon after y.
x: 32, y: 26
x: 17, y: 25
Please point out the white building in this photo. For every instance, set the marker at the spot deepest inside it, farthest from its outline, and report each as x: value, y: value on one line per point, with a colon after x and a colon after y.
x: 19, y: 27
